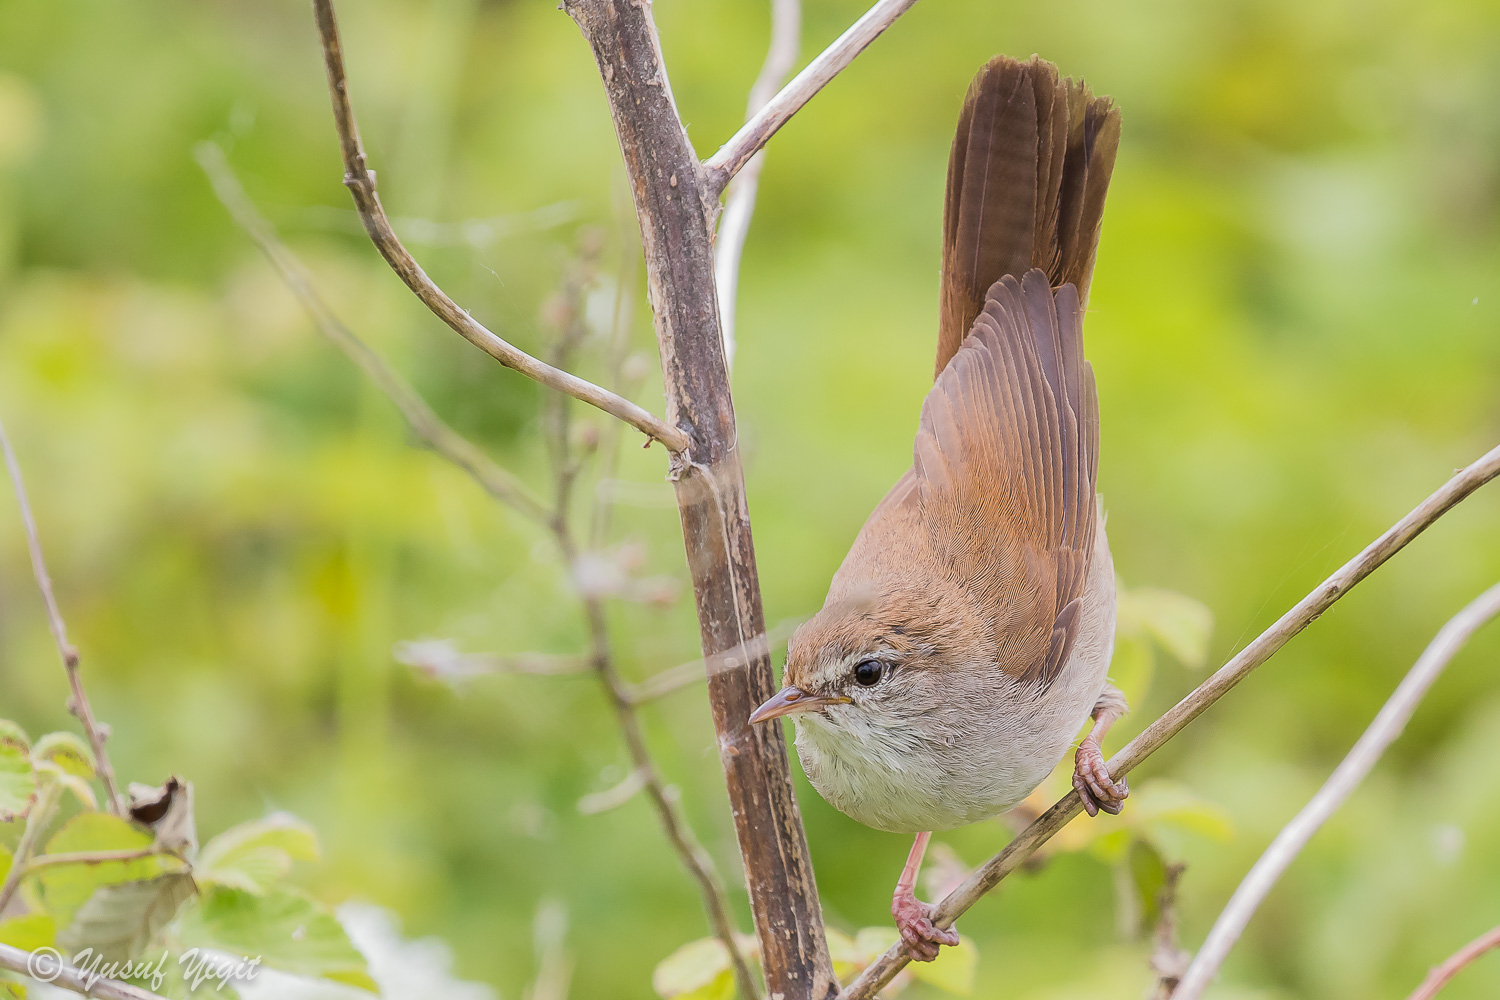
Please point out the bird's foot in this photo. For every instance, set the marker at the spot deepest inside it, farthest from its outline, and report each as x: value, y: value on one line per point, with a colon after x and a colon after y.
x: 914, y: 921
x: 1092, y: 781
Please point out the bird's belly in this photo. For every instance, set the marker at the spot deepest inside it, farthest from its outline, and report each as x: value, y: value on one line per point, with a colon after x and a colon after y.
x: 891, y: 781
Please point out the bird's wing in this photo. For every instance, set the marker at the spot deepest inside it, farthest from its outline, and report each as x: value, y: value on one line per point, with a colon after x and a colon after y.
x: 1006, y: 461
x: 1027, y: 176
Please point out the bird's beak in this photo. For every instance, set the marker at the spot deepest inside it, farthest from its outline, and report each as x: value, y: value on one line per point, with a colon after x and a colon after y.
x: 791, y: 700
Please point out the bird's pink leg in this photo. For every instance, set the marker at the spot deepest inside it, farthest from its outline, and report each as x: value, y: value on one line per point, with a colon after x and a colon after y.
x: 1090, y: 775
x: 914, y: 917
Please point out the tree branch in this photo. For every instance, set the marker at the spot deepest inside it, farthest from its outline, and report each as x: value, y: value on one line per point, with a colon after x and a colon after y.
x: 683, y: 675
x: 360, y: 180
x: 1382, y: 732
x: 503, y: 487
x: 1438, y: 977
x: 832, y: 61
x: 78, y: 704
x: 46, y: 966
x: 674, y: 205
x: 734, y: 225
x: 1469, y: 479
x: 424, y: 423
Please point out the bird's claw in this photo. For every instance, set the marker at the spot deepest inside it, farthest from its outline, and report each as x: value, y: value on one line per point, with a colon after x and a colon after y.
x: 1092, y: 781
x: 918, y: 933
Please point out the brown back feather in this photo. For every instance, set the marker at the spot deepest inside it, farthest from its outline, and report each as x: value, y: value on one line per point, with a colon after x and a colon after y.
x: 1030, y: 166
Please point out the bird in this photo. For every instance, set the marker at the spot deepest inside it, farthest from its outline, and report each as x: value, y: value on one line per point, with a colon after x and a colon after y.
x: 966, y: 637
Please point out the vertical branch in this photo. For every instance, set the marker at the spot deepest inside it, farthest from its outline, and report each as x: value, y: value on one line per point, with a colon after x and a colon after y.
x: 739, y: 206
x: 78, y: 704
x: 674, y: 209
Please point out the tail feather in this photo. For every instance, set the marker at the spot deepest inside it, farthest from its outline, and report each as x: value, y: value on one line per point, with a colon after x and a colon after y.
x: 1030, y: 167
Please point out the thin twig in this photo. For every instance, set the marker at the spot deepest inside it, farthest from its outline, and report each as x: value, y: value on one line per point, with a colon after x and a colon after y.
x: 47, y: 966
x: 360, y: 180
x: 1438, y: 977
x: 424, y: 423
x: 679, y: 834
x: 755, y: 133
x: 78, y: 704
x: 1469, y: 479
x: 695, y: 671
x: 36, y: 822
x: 739, y: 206
x: 1382, y: 732
x: 41, y: 861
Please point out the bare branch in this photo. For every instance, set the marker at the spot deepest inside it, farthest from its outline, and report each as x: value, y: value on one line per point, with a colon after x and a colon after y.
x: 439, y: 658
x: 91, y: 857
x: 78, y: 704
x: 1382, y: 732
x: 687, y: 674
x: 1469, y: 479
x: 674, y: 206
x: 360, y: 180
x: 1438, y: 977
x: 734, y: 225
x: 46, y: 966
x: 424, y: 423
x: 755, y: 133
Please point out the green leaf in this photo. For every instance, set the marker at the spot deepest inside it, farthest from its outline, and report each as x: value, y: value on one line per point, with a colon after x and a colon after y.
x: 17, y: 780
x: 254, y: 856
x: 357, y: 978
x: 6, y: 857
x: 1148, y: 876
x: 68, y: 752
x: 1180, y: 624
x: 699, y: 970
x: 952, y: 971
x: 10, y: 733
x: 120, y: 921
x: 286, y: 929
x: 12, y: 991
x: 29, y: 932
x: 1167, y: 805
x: 62, y: 889
x: 81, y: 789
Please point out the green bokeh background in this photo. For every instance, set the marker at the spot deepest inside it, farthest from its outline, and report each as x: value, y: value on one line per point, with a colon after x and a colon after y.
x: 1295, y: 326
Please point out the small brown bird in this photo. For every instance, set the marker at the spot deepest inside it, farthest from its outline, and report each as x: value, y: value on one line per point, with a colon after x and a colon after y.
x: 968, y: 633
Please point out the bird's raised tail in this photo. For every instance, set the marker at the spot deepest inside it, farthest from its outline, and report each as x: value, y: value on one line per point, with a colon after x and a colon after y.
x: 1026, y: 182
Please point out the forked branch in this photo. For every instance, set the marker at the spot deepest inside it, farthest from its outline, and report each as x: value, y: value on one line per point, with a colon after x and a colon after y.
x: 1465, y: 482
x: 505, y: 488
x: 755, y: 133
x: 1382, y: 732
x: 360, y: 180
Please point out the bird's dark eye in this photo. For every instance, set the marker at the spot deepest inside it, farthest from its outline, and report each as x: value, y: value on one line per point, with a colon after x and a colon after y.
x: 869, y: 672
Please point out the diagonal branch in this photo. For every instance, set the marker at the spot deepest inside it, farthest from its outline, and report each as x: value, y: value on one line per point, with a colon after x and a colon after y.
x: 1382, y: 732
x: 424, y: 423
x: 832, y: 61
x: 1438, y: 977
x: 503, y: 487
x: 78, y: 704
x: 46, y: 965
x: 734, y: 226
x: 360, y: 180
x: 1156, y: 735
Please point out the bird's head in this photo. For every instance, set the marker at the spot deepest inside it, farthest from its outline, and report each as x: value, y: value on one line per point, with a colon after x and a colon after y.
x: 880, y: 656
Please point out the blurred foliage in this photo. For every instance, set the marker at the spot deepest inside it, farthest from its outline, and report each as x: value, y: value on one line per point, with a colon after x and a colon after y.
x: 152, y: 916
x: 1293, y: 325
